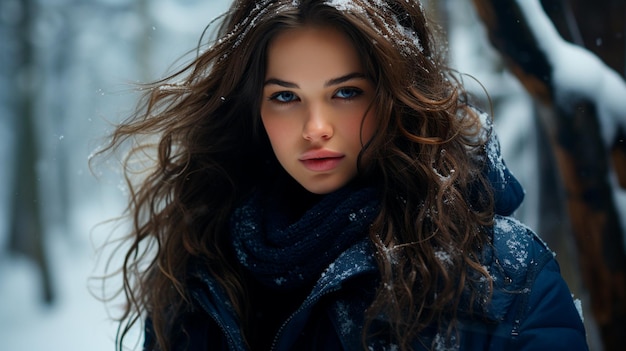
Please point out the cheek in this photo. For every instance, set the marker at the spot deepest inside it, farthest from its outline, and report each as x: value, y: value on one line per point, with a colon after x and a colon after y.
x: 269, y: 123
x: 268, y: 126
x: 363, y: 128
x: 275, y: 122
x: 278, y: 131
x: 370, y: 125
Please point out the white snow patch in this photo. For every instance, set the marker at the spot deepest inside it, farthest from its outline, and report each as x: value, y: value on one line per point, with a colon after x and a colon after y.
x: 578, y: 72
x: 345, y: 320
x: 519, y: 251
x: 579, y: 308
x: 441, y: 344
x: 444, y: 257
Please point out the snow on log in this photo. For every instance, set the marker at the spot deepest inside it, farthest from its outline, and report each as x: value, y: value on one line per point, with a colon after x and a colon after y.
x: 578, y: 74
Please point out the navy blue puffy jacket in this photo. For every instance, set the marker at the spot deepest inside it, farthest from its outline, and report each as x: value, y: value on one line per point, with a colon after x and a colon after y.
x: 531, y: 307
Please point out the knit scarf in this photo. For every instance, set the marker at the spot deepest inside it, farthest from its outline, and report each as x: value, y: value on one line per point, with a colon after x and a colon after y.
x: 287, y: 255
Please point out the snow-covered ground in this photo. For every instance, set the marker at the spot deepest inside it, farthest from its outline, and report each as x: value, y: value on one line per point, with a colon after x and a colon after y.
x: 76, y: 320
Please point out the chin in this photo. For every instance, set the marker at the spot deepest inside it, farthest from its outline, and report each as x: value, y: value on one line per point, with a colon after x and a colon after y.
x: 317, y: 188
x: 322, y: 188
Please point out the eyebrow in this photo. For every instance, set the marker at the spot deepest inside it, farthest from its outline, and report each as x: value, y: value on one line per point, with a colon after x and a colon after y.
x: 331, y: 82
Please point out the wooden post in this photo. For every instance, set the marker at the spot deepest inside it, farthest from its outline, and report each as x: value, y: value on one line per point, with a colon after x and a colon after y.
x: 583, y: 160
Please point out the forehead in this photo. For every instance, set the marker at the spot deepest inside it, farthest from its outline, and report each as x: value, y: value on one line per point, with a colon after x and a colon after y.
x: 323, y: 49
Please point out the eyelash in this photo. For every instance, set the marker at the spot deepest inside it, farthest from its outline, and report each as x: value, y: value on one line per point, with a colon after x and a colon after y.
x: 351, y: 90
x: 276, y: 97
x: 355, y: 91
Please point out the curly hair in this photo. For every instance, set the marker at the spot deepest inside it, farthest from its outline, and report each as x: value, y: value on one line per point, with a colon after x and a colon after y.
x: 201, y: 133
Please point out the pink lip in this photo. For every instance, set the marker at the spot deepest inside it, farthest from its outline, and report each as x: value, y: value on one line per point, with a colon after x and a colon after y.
x: 321, y: 160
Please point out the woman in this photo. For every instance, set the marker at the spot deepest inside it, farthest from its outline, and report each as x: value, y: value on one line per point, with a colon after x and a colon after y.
x: 319, y: 182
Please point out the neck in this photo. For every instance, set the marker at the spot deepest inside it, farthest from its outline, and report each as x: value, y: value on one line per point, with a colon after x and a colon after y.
x: 294, y: 199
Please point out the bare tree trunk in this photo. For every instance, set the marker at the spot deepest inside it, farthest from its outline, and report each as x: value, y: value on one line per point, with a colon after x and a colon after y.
x: 144, y: 49
x: 583, y: 162
x: 26, y: 234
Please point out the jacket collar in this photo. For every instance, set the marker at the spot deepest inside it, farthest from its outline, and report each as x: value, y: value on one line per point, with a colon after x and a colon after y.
x: 209, y: 295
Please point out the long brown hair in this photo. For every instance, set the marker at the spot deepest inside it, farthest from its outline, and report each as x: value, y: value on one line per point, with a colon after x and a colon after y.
x: 201, y: 130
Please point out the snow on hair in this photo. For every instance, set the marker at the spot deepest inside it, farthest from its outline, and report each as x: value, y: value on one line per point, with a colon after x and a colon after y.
x: 403, y: 38
x: 378, y: 13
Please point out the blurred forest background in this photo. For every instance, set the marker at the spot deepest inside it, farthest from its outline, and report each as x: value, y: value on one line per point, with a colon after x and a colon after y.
x: 67, y: 74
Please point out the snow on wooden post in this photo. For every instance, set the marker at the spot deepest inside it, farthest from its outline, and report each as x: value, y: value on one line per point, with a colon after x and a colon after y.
x: 587, y: 101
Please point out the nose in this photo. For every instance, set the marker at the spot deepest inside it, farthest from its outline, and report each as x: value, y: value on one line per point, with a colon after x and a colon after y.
x: 317, y: 126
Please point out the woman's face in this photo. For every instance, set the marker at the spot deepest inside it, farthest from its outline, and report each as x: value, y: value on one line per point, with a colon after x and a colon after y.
x: 315, y: 97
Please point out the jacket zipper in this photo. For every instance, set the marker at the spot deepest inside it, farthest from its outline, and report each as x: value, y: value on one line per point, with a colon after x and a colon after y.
x: 306, y: 304
x: 213, y: 314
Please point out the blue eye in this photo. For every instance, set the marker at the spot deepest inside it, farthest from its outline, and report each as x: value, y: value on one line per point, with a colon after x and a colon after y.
x: 284, y: 96
x: 348, y: 93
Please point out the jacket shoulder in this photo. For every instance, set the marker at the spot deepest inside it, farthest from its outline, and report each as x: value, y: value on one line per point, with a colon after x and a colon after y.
x: 530, y: 296
x: 517, y: 248
x: 515, y: 259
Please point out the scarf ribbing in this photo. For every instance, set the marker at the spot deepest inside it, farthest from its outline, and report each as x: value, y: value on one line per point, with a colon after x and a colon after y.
x: 286, y: 256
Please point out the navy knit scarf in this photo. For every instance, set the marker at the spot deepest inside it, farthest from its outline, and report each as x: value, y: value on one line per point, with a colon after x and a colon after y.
x: 287, y: 255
